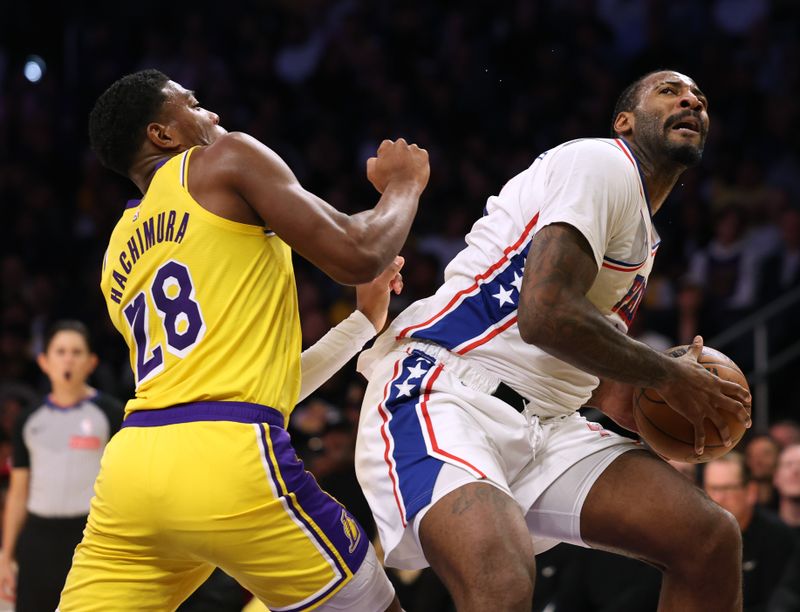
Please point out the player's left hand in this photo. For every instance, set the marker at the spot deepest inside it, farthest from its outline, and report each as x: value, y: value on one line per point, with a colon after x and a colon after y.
x: 372, y: 299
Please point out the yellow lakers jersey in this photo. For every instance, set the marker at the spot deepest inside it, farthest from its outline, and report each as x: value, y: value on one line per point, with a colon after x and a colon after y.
x: 208, y: 306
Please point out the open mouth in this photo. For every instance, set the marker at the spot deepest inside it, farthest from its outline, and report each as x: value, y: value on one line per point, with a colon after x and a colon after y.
x: 67, y: 375
x: 687, y: 126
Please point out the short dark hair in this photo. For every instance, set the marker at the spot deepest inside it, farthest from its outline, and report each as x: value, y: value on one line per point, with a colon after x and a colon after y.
x: 67, y: 325
x: 739, y: 459
x: 629, y: 98
x: 120, y: 115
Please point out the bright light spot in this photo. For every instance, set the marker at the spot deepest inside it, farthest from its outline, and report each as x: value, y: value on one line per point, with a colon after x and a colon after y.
x: 34, y: 68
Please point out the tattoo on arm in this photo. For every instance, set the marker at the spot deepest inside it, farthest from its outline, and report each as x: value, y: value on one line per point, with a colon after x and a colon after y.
x: 555, y: 314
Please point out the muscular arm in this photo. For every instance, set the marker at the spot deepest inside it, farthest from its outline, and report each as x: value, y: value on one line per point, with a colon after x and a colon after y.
x: 351, y: 249
x: 555, y: 314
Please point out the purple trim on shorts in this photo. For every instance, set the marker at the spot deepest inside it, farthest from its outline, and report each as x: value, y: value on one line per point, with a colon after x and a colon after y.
x: 300, y: 490
x: 237, y: 412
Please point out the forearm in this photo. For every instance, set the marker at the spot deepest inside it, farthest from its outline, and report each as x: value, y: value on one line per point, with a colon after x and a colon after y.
x: 331, y: 352
x: 555, y: 314
x: 578, y: 334
x: 383, y: 229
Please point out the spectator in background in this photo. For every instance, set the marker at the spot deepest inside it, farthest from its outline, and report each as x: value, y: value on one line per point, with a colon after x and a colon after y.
x: 786, y: 597
x: 785, y: 432
x: 57, y: 447
x: 725, y: 268
x: 768, y: 544
x: 724, y: 277
x: 787, y: 482
x: 779, y: 274
x: 761, y: 453
x: 596, y: 581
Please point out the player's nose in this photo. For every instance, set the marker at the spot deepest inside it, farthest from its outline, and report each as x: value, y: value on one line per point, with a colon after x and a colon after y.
x: 689, y: 100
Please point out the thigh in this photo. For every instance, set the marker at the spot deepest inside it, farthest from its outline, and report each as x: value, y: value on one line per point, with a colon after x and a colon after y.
x: 475, y: 538
x: 417, y: 419
x: 571, y: 456
x: 642, y: 507
x: 174, y: 501
x: 370, y: 589
x: 555, y: 516
x: 125, y: 554
x: 110, y: 571
x: 283, y: 538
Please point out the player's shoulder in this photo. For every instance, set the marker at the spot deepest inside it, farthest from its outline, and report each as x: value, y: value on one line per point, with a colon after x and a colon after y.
x: 232, y: 153
x: 600, y: 154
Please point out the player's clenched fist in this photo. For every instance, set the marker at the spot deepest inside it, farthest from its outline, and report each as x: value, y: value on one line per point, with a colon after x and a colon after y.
x: 398, y: 161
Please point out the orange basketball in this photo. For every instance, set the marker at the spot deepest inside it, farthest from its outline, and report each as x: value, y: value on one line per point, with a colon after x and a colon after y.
x: 671, y: 435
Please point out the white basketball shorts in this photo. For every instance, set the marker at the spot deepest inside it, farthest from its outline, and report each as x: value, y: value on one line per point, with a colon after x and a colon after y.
x: 429, y: 425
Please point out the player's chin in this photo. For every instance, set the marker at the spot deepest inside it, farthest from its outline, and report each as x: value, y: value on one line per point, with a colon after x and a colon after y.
x: 685, y: 153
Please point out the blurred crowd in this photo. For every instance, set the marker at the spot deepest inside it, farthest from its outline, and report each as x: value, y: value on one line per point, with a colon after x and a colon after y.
x: 484, y: 86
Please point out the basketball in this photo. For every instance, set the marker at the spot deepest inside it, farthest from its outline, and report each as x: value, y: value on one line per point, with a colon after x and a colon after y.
x: 669, y: 433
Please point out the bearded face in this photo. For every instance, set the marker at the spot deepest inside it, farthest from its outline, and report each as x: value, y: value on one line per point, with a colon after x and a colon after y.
x: 680, y: 137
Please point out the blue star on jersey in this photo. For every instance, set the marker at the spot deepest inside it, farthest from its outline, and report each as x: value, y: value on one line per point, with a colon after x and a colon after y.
x: 416, y: 470
x: 487, y: 307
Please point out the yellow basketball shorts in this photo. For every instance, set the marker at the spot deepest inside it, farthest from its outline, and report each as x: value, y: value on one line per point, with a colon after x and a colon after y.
x: 187, y: 488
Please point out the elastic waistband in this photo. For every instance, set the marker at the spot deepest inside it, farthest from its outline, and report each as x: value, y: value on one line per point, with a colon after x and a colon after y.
x: 237, y: 412
x: 468, y: 372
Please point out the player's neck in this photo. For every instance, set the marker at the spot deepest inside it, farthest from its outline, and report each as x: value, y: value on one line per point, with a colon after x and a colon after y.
x: 658, y: 174
x: 143, y: 169
x: 69, y: 395
x: 789, y: 511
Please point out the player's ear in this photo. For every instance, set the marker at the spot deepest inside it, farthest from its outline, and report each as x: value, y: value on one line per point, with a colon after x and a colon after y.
x: 163, y: 136
x: 623, y: 124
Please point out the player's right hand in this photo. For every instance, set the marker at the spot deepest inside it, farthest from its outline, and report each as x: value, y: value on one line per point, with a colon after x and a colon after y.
x: 697, y: 395
x: 372, y: 299
x: 398, y: 161
x: 8, y: 580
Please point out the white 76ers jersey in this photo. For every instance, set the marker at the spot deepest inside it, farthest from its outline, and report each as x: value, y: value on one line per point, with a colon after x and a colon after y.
x: 593, y: 185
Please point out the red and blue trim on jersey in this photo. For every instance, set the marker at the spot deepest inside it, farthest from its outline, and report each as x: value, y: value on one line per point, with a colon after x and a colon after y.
x: 625, y: 148
x: 488, y: 307
x: 411, y: 450
x: 622, y: 266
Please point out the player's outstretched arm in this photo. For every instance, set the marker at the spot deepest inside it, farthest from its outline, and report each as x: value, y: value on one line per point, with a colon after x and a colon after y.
x: 331, y: 352
x: 555, y: 314
x: 351, y: 249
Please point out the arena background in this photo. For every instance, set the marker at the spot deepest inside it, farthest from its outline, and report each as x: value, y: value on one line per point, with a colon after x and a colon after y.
x: 484, y: 86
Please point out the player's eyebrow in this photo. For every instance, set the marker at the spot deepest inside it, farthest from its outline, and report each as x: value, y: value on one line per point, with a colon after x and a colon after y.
x: 678, y: 83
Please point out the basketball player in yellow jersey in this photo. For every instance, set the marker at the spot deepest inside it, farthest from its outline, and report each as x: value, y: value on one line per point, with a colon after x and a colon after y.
x: 198, y: 279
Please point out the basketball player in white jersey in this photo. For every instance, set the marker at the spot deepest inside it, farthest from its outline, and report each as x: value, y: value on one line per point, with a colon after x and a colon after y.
x: 471, y: 452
